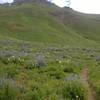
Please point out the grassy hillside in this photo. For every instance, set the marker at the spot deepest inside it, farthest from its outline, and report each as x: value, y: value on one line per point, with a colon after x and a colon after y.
x: 44, y: 48
x: 36, y: 23
x: 86, y: 25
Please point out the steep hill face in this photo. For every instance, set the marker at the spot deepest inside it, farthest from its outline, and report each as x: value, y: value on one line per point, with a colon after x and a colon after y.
x: 38, y: 22
x: 84, y: 24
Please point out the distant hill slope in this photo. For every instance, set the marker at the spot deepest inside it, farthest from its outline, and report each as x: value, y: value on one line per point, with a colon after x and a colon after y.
x: 47, y: 23
x: 87, y: 25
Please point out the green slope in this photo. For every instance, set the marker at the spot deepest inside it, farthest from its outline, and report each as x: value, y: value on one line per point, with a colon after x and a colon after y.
x: 37, y: 23
x: 86, y: 25
x: 43, y: 49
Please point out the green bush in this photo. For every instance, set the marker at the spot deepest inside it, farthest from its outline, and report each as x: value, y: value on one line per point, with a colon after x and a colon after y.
x: 74, y: 90
x: 11, y: 72
x: 98, y: 92
x: 56, y: 74
x: 7, y: 92
x: 30, y: 66
x: 15, y: 60
x: 32, y: 95
x: 4, y: 60
x: 68, y: 70
x: 12, y: 60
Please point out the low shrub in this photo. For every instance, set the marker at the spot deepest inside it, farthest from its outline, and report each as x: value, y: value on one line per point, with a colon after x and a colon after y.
x: 68, y: 70
x: 32, y: 95
x: 11, y: 72
x: 74, y: 90
x: 4, y: 60
x: 15, y: 60
x: 29, y: 66
x: 98, y: 92
x: 7, y: 92
x: 12, y: 60
x: 56, y: 74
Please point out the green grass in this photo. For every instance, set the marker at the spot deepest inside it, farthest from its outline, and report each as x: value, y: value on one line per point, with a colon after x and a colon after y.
x: 41, y: 54
x: 95, y: 80
x: 35, y: 23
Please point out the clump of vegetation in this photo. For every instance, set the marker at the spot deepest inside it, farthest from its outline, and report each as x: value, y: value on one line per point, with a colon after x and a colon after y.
x: 57, y: 74
x: 12, y: 60
x: 11, y: 71
x: 33, y: 95
x: 29, y: 66
x: 74, y: 90
x: 15, y: 60
x: 8, y: 92
x: 68, y: 69
x: 94, y: 75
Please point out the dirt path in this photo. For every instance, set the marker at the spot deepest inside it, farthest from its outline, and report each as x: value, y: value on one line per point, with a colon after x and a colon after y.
x: 84, y: 75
